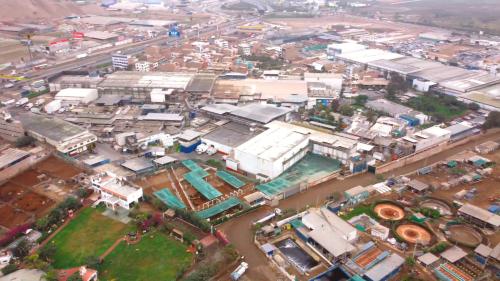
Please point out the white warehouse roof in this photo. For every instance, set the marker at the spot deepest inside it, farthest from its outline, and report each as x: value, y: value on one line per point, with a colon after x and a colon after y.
x: 273, y: 143
x: 76, y: 93
x: 369, y: 55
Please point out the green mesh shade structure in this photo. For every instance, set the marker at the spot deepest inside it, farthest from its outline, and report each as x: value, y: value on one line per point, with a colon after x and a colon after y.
x: 230, y: 179
x: 219, y: 208
x: 169, y: 199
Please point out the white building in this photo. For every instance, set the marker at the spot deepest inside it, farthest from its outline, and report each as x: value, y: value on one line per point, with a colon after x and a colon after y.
x: 428, y: 138
x: 330, y: 236
x: 270, y: 153
x: 120, y: 61
x: 333, y: 50
x: 74, y: 96
x: 159, y: 95
x: 115, y: 191
x: 143, y: 66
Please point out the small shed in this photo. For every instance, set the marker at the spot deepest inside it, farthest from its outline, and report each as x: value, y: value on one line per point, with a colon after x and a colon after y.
x: 417, y: 186
x: 428, y: 260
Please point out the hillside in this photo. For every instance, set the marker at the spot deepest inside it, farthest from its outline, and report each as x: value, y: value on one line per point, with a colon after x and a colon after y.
x: 40, y: 10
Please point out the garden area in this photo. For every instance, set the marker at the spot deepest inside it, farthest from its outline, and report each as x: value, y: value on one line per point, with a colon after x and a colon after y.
x: 155, y: 257
x: 88, y: 234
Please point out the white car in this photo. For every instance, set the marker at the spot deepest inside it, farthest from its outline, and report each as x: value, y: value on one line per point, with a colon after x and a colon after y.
x: 211, y: 150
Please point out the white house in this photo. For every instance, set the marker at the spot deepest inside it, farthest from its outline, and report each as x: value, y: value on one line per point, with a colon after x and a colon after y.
x: 115, y: 191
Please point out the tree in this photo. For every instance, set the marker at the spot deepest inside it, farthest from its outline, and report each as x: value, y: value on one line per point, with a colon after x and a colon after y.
x: 397, y: 85
x: 93, y: 262
x: 492, y: 121
x: 24, y: 141
x: 51, y: 275
x: 361, y: 100
x: 48, y: 251
x: 410, y: 261
x: 473, y: 106
x: 9, y: 269
x: 346, y: 110
x: 22, y: 249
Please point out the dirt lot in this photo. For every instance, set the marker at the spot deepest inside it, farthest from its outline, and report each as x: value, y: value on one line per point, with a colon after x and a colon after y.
x: 11, y: 217
x: 486, y: 188
x: 9, y: 191
x: 27, y: 178
x: 28, y: 196
x: 57, y: 168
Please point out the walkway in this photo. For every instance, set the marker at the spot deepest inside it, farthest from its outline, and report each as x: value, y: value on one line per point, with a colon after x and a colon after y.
x: 239, y: 230
x: 110, y: 249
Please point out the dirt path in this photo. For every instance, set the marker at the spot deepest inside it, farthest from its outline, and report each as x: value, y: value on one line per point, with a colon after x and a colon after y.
x: 110, y: 249
x: 239, y: 230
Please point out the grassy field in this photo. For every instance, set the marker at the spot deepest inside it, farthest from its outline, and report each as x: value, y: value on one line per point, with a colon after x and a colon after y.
x: 155, y: 257
x: 443, y: 108
x: 89, y: 234
x: 358, y: 210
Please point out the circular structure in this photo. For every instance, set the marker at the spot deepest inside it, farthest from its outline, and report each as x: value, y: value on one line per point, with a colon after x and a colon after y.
x: 388, y: 211
x: 442, y: 207
x: 413, y: 233
x: 464, y: 235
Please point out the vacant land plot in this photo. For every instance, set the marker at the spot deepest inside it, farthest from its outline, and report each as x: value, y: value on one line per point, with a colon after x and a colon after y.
x: 11, y: 217
x: 57, y: 168
x: 89, y: 234
x: 155, y: 257
x: 33, y: 202
x: 440, y: 107
x: 9, y: 191
x: 27, y: 178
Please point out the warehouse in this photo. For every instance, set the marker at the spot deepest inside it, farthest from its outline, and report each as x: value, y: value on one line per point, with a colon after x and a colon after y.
x: 67, y: 138
x: 139, y: 165
x: 75, y: 96
x: 462, y: 130
x: 385, y: 269
x: 73, y: 81
x: 479, y: 216
x: 427, y: 138
x: 270, y: 153
x: 140, y: 84
x: 11, y: 157
x: 229, y: 136
x: 259, y: 113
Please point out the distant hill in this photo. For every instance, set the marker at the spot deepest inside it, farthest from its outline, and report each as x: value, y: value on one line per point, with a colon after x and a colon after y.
x: 39, y: 10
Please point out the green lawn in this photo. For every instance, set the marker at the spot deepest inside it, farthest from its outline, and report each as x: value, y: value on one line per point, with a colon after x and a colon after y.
x: 155, y: 257
x: 91, y: 233
x: 443, y: 108
x: 358, y: 210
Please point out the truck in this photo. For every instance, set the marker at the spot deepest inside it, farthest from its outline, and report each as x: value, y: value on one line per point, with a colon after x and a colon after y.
x: 268, y: 216
x: 239, y: 271
x: 81, y: 56
x: 22, y: 101
x: 211, y: 150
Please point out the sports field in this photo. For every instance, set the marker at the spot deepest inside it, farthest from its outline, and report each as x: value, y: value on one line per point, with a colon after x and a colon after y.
x: 155, y: 257
x: 89, y: 234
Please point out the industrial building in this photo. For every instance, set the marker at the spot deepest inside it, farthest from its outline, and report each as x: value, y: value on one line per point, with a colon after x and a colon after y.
x: 270, y: 153
x: 140, y: 84
x: 11, y: 157
x: 75, y: 96
x: 250, y: 114
x: 427, y: 138
x: 479, y: 216
x: 67, y: 138
x: 73, y: 81
x: 230, y: 135
x: 330, y: 236
x: 462, y: 130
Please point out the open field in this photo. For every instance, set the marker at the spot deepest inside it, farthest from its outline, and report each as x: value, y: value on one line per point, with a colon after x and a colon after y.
x: 440, y: 107
x: 481, y: 14
x: 155, y: 257
x: 89, y: 234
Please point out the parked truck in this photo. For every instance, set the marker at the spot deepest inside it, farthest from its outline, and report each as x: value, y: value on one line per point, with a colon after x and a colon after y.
x: 239, y: 271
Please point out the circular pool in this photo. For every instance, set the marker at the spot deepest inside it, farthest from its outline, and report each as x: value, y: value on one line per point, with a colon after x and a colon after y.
x: 413, y: 233
x: 388, y: 211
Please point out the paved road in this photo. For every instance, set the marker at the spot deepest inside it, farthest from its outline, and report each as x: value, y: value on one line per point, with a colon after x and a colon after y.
x: 240, y: 234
